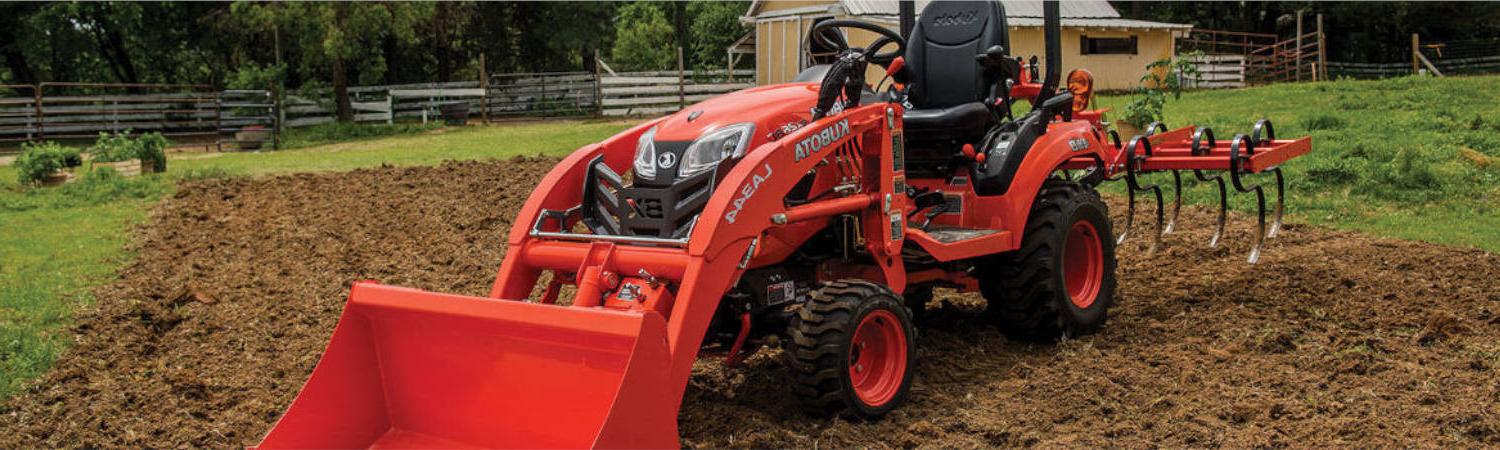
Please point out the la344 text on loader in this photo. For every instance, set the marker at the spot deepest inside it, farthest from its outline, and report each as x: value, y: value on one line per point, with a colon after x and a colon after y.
x: 816, y: 216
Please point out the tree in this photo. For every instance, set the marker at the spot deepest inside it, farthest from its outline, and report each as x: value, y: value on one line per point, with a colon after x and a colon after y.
x: 341, y: 37
x: 716, y: 25
x: 644, y: 38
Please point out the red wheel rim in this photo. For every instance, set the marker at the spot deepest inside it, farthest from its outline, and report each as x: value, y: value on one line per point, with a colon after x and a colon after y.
x: 1083, y: 264
x: 877, y: 358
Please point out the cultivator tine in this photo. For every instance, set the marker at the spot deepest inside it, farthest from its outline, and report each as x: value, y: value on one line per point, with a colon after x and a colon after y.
x: 1245, y: 144
x: 1132, y: 162
x: 1176, y: 202
x: 1201, y: 136
x: 1263, y: 133
x: 1151, y: 130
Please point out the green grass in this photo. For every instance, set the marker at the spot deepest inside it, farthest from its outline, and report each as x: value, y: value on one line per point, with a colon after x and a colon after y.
x: 419, y: 148
x: 57, y: 244
x: 336, y: 132
x: 1415, y: 158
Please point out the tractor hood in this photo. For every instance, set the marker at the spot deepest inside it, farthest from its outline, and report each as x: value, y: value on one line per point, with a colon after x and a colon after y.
x: 768, y: 107
x: 769, y: 111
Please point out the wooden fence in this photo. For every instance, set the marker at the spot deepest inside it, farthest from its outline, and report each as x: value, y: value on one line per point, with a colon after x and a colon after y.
x: 649, y: 93
x: 1267, y: 58
x: 1216, y: 72
x: 79, y: 111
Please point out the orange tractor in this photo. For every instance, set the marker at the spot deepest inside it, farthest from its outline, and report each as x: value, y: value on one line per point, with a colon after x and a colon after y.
x: 816, y: 216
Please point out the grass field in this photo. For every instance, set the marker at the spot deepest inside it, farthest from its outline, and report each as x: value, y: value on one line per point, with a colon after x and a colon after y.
x: 1416, y: 158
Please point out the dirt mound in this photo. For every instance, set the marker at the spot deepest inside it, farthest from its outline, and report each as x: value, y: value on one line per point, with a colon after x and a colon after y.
x: 1335, y: 338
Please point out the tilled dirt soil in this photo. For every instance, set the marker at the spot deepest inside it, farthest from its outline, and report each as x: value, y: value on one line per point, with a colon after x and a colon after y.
x: 1336, y: 338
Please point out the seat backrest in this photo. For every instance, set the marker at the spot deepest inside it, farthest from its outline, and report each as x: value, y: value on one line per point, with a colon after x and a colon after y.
x: 940, y: 52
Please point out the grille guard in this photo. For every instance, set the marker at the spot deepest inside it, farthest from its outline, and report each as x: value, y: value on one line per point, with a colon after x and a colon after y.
x: 611, y: 208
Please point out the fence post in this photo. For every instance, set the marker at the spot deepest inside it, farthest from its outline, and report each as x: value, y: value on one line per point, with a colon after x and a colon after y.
x: 1299, y: 45
x: 1322, y: 68
x: 1415, y: 43
x: 598, y: 90
x: 218, y: 121
x: 276, y: 119
x: 41, y: 127
x: 681, y: 82
x: 484, y: 96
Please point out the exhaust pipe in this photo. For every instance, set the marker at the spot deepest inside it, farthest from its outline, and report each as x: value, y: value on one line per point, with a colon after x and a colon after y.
x: 1052, y: 33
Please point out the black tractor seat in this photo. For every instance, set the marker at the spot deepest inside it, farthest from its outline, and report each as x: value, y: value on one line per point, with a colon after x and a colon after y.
x: 947, y: 87
x: 959, y: 123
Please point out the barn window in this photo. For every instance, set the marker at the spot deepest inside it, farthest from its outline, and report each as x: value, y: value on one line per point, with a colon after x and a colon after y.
x: 1108, y: 45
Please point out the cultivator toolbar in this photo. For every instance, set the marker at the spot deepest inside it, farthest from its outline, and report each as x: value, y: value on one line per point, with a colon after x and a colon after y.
x: 1196, y: 149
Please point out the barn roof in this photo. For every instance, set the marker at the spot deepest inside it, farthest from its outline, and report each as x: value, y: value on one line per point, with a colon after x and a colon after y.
x: 1019, y: 13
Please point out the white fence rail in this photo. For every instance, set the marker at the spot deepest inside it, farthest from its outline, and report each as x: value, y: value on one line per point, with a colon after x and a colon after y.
x: 650, y: 93
x: 1217, y: 71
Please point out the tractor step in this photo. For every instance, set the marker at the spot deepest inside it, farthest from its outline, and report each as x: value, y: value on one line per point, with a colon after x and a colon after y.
x: 949, y: 235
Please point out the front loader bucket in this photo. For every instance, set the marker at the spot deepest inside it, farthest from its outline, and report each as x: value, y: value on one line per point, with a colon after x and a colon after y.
x: 413, y: 369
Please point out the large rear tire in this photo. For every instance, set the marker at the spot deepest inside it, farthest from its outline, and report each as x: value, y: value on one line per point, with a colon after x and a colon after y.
x: 852, y: 348
x: 1061, y: 282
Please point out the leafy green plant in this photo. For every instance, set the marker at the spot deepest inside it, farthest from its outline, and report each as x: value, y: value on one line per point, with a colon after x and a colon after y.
x: 1164, y: 76
x: 114, y: 147
x: 152, y: 150
x: 39, y: 160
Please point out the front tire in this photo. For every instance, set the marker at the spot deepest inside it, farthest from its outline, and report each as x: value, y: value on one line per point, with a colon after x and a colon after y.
x: 1061, y: 282
x: 852, y: 348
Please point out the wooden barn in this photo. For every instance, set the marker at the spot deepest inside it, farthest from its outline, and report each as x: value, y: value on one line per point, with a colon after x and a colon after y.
x: 1116, y: 50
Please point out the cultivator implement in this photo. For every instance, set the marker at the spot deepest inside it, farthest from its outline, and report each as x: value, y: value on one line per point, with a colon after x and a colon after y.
x: 1196, y: 149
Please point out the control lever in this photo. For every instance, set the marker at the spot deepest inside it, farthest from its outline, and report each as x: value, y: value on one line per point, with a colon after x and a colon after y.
x: 1001, y: 69
x: 929, y: 199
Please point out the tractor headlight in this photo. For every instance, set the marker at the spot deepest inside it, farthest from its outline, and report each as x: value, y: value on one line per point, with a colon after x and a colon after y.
x: 709, y: 149
x: 645, y: 154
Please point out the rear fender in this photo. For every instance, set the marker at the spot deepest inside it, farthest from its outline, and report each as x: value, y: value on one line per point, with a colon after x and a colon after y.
x: 1062, y: 142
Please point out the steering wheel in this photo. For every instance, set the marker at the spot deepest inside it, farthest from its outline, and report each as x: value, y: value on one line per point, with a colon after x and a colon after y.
x: 887, y: 37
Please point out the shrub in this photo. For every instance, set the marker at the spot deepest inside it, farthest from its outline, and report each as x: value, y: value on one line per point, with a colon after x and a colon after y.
x: 104, y: 185
x: 150, y: 148
x: 39, y: 160
x: 153, y: 150
x: 114, y: 147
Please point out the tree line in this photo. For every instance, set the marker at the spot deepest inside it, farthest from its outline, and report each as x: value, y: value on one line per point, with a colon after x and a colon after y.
x: 329, y: 46
x: 1357, y: 31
